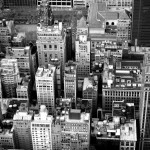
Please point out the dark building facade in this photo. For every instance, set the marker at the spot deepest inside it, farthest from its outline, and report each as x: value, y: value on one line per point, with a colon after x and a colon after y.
x: 141, y: 23
x: 19, y: 3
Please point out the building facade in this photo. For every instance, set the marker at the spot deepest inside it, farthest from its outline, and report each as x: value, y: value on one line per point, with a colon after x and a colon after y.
x: 70, y: 80
x: 82, y: 49
x: 22, y: 128
x: 50, y: 37
x: 9, y: 77
x: 45, y: 87
x: 41, y: 128
x: 140, y: 23
x: 90, y: 91
x: 19, y: 3
x: 75, y: 128
x: 144, y: 106
x: 57, y: 5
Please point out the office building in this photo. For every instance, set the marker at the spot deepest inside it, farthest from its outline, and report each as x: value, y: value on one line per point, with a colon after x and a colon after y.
x: 82, y: 49
x: 123, y: 83
x: 45, y: 87
x: 19, y: 3
x: 90, y: 91
x: 58, y: 5
x: 75, y: 129
x: 51, y: 38
x: 23, y: 88
x: 22, y: 56
x: 22, y: 128
x: 124, y: 27
x: 56, y: 134
x: 9, y: 77
x: 6, y: 135
x: 41, y: 128
x: 144, y: 105
x: 141, y: 23
x: 5, y: 32
x: 70, y: 80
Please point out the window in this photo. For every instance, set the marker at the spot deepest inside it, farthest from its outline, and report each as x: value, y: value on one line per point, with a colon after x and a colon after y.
x: 50, y: 46
x: 55, y: 46
x: 112, y: 23
x: 44, y: 46
x: 107, y: 23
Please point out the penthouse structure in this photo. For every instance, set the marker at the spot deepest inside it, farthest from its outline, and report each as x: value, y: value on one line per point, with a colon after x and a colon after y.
x: 75, y: 130
x: 41, y: 128
x: 82, y: 52
x: 22, y: 128
x: 51, y: 38
x: 45, y: 87
x: 70, y: 80
x: 122, y: 84
x: 90, y: 91
x: 9, y: 77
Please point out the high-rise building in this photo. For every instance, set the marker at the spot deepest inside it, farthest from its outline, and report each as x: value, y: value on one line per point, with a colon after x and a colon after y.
x: 144, y: 106
x: 51, y: 38
x: 70, y: 80
x: 90, y: 91
x: 41, y: 128
x: 82, y: 49
x: 22, y: 128
x: 141, y: 23
x: 9, y: 77
x: 45, y: 87
x: 19, y: 3
x: 75, y: 130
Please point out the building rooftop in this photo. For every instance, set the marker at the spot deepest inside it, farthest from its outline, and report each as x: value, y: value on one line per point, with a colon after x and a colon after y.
x: 70, y: 68
x: 23, y: 113
x: 92, y: 17
x: 46, y: 72
x: 82, y: 23
x: 90, y: 83
x: 114, y: 130
x: 107, y: 15
x: 19, y: 37
x: 84, y: 117
x: 43, y: 115
x: 128, y: 131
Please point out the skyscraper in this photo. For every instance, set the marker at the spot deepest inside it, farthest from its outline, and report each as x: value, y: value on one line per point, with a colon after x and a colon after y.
x: 145, y: 107
x: 141, y: 23
x: 45, y: 87
x: 41, y: 130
